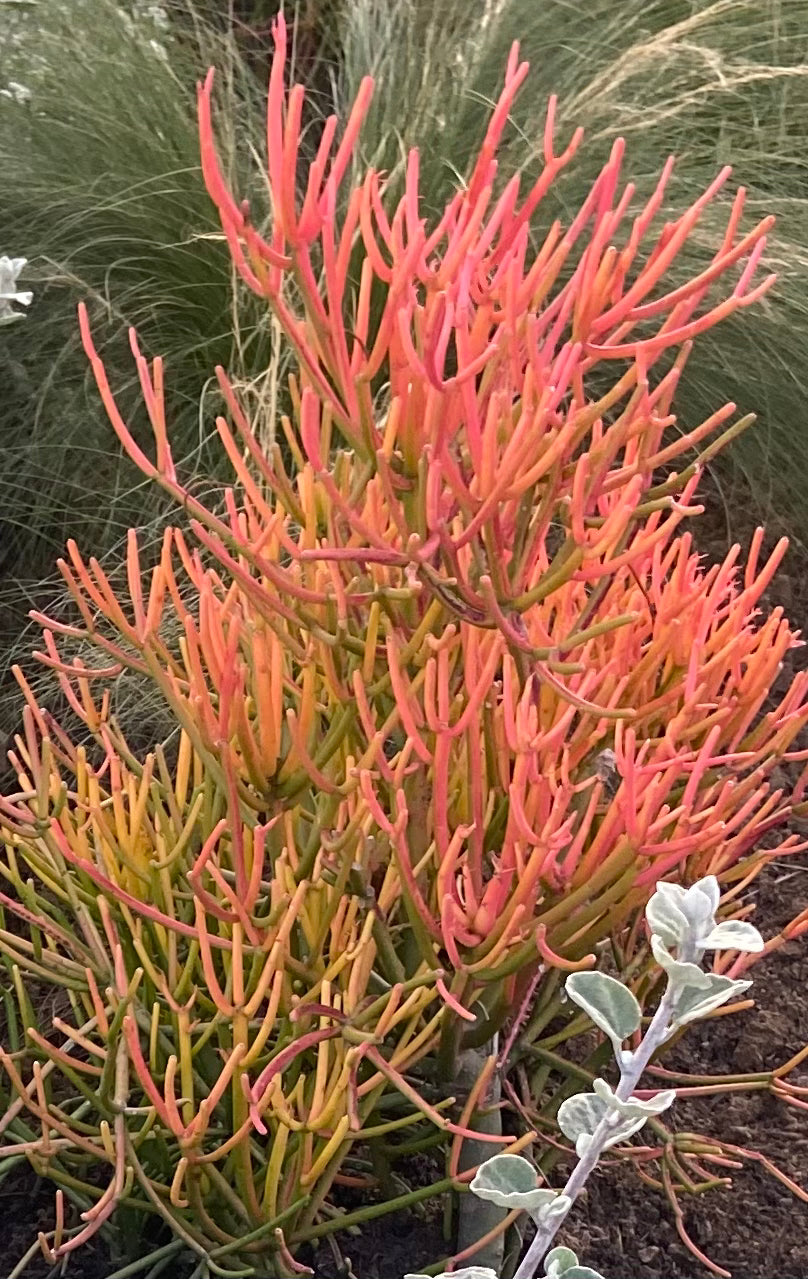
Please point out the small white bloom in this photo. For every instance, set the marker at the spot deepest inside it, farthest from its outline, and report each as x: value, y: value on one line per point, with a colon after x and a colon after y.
x: 158, y: 16
x: 19, y: 93
x: 10, y: 269
x: 154, y: 13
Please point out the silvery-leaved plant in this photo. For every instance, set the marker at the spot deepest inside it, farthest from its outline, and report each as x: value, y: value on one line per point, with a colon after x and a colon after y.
x: 10, y: 269
x: 683, y: 927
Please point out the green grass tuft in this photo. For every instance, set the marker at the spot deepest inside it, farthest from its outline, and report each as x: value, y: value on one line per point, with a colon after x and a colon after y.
x: 711, y: 81
x: 103, y: 194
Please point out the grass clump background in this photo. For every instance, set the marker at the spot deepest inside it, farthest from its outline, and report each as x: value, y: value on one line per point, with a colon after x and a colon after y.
x: 102, y: 193
x: 710, y: 82
x: 101, y: 190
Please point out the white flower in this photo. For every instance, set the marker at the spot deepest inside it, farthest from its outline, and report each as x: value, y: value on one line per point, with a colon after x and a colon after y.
x: 19, y: 93
x: 153, y: 13
x: 158, y: 16
x: 10, y: 269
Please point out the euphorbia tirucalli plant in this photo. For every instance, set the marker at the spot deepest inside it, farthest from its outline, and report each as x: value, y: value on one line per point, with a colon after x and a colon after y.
x: 452, y: 693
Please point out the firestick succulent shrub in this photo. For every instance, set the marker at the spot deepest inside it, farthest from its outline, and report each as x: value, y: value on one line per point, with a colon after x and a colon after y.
x: 452, y: 692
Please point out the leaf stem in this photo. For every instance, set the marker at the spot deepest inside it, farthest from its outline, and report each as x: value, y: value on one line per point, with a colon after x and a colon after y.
x: 630, y: 1076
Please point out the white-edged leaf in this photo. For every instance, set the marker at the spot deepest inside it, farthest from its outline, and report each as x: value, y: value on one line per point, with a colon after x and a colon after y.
x: 607, y: 1003
x: 562, y: 1263
x: 634, y: 1107
x: 734, y: 934
x: 665, y: 918
x: 581, y: 1272
x: 559, y: 1207
x: 509, y: 1181
x: 468, y: 1272
x: 579, y: 1116
x: 558, y: 1260
x: 707, y: 887
x: 680, y: 974
x: 693, y: 1003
